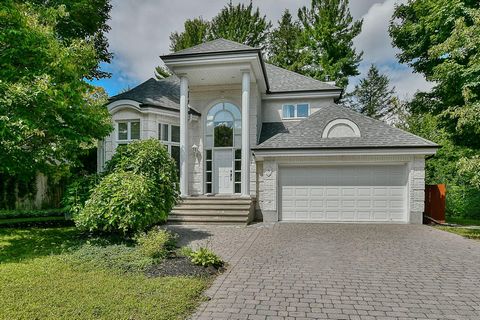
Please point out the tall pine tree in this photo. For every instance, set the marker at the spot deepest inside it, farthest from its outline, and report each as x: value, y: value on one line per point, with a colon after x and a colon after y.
x: 327, y: 41
x: 283, y: 47
x: 373, y: 96
x: 196, y: 31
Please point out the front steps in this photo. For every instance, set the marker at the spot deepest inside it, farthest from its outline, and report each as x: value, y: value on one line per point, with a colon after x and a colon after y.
x: 213, y: 210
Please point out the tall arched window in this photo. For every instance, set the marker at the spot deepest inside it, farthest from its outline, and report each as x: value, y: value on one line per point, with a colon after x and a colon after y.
x: 223, y: 135
x: 223, y: 127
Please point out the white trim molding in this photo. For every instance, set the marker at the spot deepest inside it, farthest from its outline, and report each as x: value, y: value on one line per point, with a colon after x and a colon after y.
x: 332, y: 124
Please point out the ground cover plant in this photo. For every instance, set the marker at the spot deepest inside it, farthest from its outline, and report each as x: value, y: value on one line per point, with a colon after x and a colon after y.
x: 88, y: 277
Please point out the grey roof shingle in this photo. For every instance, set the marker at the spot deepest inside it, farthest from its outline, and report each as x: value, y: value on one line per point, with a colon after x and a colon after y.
x: 163, y: 93
x: 307, y: 134
x: 218, y: 45
x: 281, y: 80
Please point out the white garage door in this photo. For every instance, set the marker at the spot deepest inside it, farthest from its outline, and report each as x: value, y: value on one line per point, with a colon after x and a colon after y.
x: 343, y: 193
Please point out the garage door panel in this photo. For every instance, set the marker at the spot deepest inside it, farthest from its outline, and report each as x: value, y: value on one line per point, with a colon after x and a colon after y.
x: 343, y: 193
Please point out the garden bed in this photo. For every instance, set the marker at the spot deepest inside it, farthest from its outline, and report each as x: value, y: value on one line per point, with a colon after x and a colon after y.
x: 180, y: 266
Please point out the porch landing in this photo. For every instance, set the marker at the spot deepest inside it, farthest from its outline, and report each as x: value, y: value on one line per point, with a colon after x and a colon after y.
x: 213, y: 210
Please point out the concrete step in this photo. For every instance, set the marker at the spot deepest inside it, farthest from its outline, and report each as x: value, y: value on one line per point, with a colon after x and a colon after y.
x: 219, y: 201
x: 206, y: 219
x: 213, y: 206
x: 186, y: 212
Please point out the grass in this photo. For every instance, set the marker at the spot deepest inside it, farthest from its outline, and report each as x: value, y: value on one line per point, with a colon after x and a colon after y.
x: 464, y: 232
x: 40, y: 279
x: 28, y: 220
x: 463, y: 221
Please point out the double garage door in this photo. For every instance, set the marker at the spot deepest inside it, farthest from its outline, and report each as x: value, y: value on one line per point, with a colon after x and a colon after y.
x: 343, y: 193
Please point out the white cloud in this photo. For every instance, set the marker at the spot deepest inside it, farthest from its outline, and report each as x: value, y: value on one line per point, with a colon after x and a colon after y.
x: 375, y: 42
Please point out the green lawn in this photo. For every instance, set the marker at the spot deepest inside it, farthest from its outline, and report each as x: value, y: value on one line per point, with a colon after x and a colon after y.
x: 463, y: 221
x: 39, y: 281
x: 465, y: 232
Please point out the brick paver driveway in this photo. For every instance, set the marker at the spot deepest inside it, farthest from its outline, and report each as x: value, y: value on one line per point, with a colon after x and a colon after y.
x: 345, y: 271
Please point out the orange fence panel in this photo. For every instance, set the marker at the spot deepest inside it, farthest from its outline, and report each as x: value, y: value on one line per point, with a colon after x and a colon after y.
x: 435, y: 201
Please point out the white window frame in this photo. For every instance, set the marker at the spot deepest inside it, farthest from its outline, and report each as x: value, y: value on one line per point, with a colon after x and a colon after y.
x: 129, y: 131
x: 168, y: 143
x: 295, y: 105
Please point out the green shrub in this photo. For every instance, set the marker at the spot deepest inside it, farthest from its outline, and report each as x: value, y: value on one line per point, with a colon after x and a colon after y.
x: 78, y: 192
x: 157, y: 243
x: 150, y: 158
x: 11, y: 214
x: 205, y: 257
x: 185, y: 252
x: 463, y: 201
x: 122, y: 202
x: 116, y: 257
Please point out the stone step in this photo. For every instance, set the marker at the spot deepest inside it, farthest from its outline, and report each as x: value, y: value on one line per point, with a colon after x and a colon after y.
x: 206, y: 219
x: 185, y: 212
x: 213, y: 200
x: 213, y: 206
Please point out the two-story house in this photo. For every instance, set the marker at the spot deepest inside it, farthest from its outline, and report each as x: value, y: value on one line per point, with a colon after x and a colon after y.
x: 247, y: 134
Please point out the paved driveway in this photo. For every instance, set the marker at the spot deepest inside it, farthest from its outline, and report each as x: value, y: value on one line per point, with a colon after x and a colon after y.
x: 342, y: 271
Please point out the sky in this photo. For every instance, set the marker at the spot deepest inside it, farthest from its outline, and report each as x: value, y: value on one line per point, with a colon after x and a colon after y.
x: 140, y: 31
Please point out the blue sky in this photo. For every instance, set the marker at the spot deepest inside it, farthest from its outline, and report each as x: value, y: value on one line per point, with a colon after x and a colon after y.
x: 141, y: 28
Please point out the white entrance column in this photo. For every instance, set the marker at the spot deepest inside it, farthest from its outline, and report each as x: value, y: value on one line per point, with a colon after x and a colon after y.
x: 183, y: 136
x: 245, y: 133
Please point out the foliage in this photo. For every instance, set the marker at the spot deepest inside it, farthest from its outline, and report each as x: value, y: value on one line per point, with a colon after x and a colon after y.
x: 85, y: 19
x: 463, y: 201
x: 373, y: 96
x: 464, y: 232
x: 78, y: 192
x: 185, y: 252
x: 283, y: 44
x: 50, y: 115
x: 241, y: 23
x: 162, y: 72
x: 196, y: 31
x: 151, y: 159
x: 327, y: 41
x: 33, y: 262
x: 157, y: 243
x: 8, y: 214
x: 463, y: 221
x: 440, y: 39
x: 113, y: 258
x: 122, y: 202
x: 205, y: 257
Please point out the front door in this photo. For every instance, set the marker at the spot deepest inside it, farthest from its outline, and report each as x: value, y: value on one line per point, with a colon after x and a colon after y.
x: 222, y: 163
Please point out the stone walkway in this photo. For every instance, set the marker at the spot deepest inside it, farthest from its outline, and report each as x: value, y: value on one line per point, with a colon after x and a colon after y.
x: 341, y: 271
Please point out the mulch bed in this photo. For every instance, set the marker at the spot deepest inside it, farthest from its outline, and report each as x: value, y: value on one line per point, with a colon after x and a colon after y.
x: 180, y: 266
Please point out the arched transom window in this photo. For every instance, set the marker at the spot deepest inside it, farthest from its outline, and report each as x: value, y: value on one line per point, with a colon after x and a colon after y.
x: 223, y: 127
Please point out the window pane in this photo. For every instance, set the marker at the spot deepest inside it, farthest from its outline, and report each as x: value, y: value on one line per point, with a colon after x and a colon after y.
x: 238, y: 176
x: 209, y: 165
x: 122, y: 131
x: 164, y: 132
x: 238, y: 154
x: 176, y: 155
x: 302, y: 111
x: 135, y: 130
x: 238, y: 188
x: 175, y: 133
x: 209, y: 188
x: 209, y: 177
x: 238, y: 165
x: 209, y: 154
x: 288, y: 111
x: 223, y: 136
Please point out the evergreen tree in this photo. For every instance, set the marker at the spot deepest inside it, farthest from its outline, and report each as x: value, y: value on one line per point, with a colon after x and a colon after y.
x: 196, y: 31
x: 373, y: 96
x: 327, y: 41
x: 283, y: 47
x: 241, y: 23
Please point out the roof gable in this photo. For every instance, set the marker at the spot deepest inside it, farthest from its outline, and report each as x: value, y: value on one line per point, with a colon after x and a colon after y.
x: 307, y: 134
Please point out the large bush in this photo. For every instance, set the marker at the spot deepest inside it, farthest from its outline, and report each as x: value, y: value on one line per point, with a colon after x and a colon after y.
x: 78, y: 192
x: 122, y: 202
x: 149, y: 158
x: 139, y: 189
